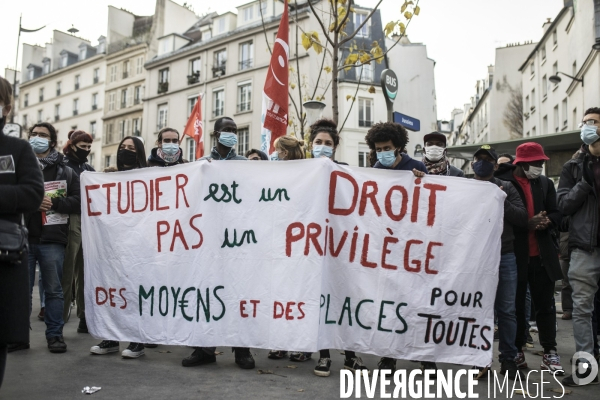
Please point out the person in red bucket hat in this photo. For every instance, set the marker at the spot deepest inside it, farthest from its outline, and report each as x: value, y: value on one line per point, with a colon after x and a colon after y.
x: 536, y: 251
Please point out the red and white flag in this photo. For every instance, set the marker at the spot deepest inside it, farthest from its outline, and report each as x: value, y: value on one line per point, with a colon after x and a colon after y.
x: 194, y: 127
x: 275, y: 93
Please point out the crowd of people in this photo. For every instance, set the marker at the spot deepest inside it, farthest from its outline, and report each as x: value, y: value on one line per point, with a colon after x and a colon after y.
x: 547, y: 235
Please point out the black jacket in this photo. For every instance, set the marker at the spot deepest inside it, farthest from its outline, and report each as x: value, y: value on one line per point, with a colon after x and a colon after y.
x: 456, y: 172
x: 515, y: 214
x: 71, y: 204
x: 544, y: 199
x: 155, y: 161
x: 77, y: 165
x: 577, y: 199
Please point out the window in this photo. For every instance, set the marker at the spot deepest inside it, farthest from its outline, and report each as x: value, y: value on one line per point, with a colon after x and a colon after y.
x: 555, y: 71
x: 91, y: 159
x: 163, y: 80
x: 363, y: 159
x: 107, y: 161
x: 557, y: 124
x: 248, y: 13
x: 261, y: 8
x: 108, y: 137
x: 191, y: 102
x: 243, y: 140
x: 244, y: 97
x: 532, y: 69
x: 544, y: 87
x: 221, y: 26
x: 220, y: 61
x: 575, y: 118
x: 533, y: 131
x: 554, y: 38
x: 26, y: 100
x: 574, y: 71
x: 137, y: 126
x: 527, y: 104
x: 113, y: 73
x: 75, y: 106
x: 163, y: 111
x: 77, y: 80
x: 359, y: 18
x: 218, y: 102
x: 532, y: 100
x: 365, y: 112
x: 31, y: 74
x: 25, y: 121
x: 122, y: 132
x: 137, y: 95
x: 64, y: 60
x: 46, y: 67
x: 56, y: 112
x: 544, y: 53
x: 41, y: 94
x: 96, y: 75
x: 366, y: 72
x: 191, y: 147
x: 40, y: 115
x: 245, y: 55
x: 545, y: 125
x: 82, y: 52
x: 111, y: 101
x: 93, y: 129
x: 139, y: 65
x: 194, y: 71
x: 125, y: 69
x: 123, y: 98
x: 94, y: 101
x: 564, y: 113
x: 58, y: 85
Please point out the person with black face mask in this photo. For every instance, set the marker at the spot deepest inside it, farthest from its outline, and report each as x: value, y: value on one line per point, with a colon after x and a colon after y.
x: 76, y: 152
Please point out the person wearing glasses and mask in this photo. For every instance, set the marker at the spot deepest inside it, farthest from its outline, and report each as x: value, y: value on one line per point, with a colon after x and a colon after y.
x: 167, y: 152
x: 578, y: 191
x: 435, y: 158
x: 225, y: 131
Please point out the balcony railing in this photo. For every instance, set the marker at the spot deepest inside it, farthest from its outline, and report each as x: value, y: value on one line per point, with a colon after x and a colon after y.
x: 125, y: 74
x: 245, y: 64
x: 41, y: 98
x: 243, y: 107
x: 75, y: 112
x: 123, y: 104
x: 163, y: 87
x: 136, y: 101
x: 365, y: 123
x: 193, y: 78
x: 94, y: 106
x: 58, y: 92
x: 217, y: 112
x: 56, y: 118
x: 219, y: 70
x: 77, y: 86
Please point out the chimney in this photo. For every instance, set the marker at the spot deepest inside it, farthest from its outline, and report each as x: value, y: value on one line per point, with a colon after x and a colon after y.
x: 546, y: 25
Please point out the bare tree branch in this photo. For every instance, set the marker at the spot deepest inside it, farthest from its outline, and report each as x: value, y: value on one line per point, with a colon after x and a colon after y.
x: 320, y: 23
x: 352, y: 104
x: 513, y: 113
x: 264, y: 27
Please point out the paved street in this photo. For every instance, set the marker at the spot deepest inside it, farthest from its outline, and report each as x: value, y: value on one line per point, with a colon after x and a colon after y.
x: 38, y: 374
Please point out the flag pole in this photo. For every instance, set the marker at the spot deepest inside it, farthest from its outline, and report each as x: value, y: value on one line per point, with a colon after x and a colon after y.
x: 12, y: 115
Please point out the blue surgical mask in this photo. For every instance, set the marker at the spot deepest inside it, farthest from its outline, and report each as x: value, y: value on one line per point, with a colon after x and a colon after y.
x: 170, y: 149
x: 483, y: 168
x: 589, y: 134
x: 322, y: 151
x: 387, y: 158
x: 275, y: 156
x: 39, y: 145
x: 228, y: 139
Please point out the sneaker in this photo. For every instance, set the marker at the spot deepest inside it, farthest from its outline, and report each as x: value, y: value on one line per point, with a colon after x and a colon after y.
x: 82, y: 327
x: 57, y: 344
x: 569, y: 381
x: 387, y: 363
x: 551, y: 362
x: 533, y: 327
x: 17, y: 346
x: 483, y: 372
x: 134, y: 350
x: 277, y: 354
x: 105, y: 347
x: 323, y: 367
x: 243, y: 358
x: 529, y: 339
x: 567, y: 315
x: 426, y: 365
x: 509, y: 367
x: 41, y: 314
x: 356, y: 364
x: 198, y: 357
x: 520, y: 360
x: 150, y: 345
x: 300, y: 356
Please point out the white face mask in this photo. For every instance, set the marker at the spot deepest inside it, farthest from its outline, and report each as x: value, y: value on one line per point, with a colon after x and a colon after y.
x: 533, y: 173
x: 434, y: 153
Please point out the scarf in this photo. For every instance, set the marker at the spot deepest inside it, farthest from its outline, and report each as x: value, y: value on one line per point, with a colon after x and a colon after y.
x: 49, y: 160
x: 441, y: 167
x: 169, y: 159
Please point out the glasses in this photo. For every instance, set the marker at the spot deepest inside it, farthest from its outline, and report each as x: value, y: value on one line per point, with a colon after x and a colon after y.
x: 43, y: 135
x: 589, y: 122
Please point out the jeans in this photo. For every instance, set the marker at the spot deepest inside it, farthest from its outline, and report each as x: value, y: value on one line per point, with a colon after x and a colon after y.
x: 41, y: 290
x: 566, y: 294
x: 50, y: 257
x: 542, y: 297
x: 505, y: 306
x: 583, y: 276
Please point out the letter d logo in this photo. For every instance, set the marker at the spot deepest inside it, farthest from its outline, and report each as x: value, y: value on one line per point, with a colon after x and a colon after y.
x: 584, y: 368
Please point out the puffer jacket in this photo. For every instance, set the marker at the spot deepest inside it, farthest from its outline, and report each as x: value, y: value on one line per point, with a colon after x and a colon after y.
x: 577, y: 199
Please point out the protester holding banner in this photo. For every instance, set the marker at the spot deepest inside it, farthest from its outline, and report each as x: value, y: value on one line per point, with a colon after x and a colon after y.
x: 485, y: 162
x: 131, y: 155
x: 48, y: 229
x: 435, y: 158
x: 388, y: 139
x: 225, y: 131
x: 167, y: 152
x: 76, y: 152
x: 256, y: 155
x: 22, y: 188
x: 536, y: 250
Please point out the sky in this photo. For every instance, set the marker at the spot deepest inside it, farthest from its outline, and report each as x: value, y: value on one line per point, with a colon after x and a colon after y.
x: 461, y: 35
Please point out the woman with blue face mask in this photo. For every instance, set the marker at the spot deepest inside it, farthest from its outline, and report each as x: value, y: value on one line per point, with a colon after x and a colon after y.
x: 324, y: 139
x: 168, y: 152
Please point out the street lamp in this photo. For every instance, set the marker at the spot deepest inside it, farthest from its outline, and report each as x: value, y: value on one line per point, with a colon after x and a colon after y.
x: 314, y: 111
x: 596, y: 46
x: 556, y: 79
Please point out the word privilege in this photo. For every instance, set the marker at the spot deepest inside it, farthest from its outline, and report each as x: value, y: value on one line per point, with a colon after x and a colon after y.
x: 305, y: 256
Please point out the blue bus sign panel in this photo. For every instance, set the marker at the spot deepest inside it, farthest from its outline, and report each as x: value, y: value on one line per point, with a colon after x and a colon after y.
x: 410, y: 123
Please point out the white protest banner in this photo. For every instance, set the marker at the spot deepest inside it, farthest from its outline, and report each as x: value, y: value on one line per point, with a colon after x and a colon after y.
x: 301, y: 255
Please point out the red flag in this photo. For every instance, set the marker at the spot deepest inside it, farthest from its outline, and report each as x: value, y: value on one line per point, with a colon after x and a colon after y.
x: 194, y: 128
x: 275, y: 92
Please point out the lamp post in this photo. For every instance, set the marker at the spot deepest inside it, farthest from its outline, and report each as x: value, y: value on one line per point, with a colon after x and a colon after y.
x: 314, y: 111
x: 556, y: 79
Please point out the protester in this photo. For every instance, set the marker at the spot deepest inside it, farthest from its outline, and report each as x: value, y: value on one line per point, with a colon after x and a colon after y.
x: 289, y: 148
x: 131, y: 155
x: 76, y: 152
x: 435, y: 157
x: 485, y: 162
x: 256, y: 155
x: 48, y: 230
x: 536, y: 250
x: 387, y: 139
x: 578, y: 191
x: 167, y: 152
x: 505, y: 158
x: 22, y: 189
x: 225, y: 130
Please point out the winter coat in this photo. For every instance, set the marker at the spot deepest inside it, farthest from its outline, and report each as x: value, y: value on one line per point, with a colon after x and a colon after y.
x: 456, y: 172
x: 214, y: 155
x: 76, y: 165
x: 544, y: 199
x: 21, y: 191
x: 515, y: 214
x: 155, y: 161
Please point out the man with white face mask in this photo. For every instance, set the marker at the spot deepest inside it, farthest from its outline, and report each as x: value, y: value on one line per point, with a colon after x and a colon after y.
x: 536, y: 252
x: 435, y: 158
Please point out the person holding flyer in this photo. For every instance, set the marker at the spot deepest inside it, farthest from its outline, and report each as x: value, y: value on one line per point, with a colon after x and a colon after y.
x: 48, y: 229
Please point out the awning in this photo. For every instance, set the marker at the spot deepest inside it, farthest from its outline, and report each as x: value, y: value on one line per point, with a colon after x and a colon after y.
x: 563, y: 141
